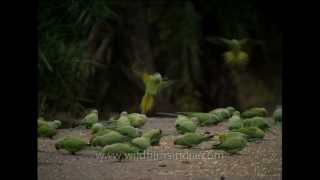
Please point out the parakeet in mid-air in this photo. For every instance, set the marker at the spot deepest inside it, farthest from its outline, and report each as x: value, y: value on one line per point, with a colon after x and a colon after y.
x: 253, y: 112
x: 185, y: 124
x: 191, y: 139
x: 71, y: 144
x: 153, y: 85
x: 90, y: 118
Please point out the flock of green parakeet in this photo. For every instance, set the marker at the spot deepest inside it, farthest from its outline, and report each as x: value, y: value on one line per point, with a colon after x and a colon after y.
x: 123, y: 135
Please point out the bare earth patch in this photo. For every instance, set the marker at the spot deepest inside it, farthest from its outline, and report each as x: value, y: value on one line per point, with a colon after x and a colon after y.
x: 259, y: 160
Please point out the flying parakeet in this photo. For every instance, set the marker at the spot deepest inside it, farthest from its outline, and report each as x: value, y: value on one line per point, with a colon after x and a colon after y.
x: 232, y: 145
x: 137, y: 120
x: 90, y: 118
x: 191, y: 139
x: 109, y: 138
x: 259, y: 122
x: 277, y: 114
x: 253, y: 112
x: 70, y: 144
x: 184, y: 124
x: 154, y: 135
x: 153, y: 85
x: 120, y: 150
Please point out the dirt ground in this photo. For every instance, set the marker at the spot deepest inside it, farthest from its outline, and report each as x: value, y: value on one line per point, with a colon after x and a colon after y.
x: 258, y: 161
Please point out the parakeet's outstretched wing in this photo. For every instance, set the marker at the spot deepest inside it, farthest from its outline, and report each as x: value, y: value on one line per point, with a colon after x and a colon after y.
x: 165, y: 84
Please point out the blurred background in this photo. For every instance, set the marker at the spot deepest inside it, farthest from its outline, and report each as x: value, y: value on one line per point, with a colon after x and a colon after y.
x: 89, y: 52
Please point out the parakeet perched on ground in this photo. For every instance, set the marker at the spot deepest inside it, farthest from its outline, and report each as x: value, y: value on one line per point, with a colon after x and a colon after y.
x: 137, y: 120
x: 235, y: 122
x: 231, y: 109
x: 253, y: 133
x: 203, y: 118
x: 129, y: 131
x: 71, y: 144
x: 101, y: 133
x: 222, y: 113
x: 120, y: 150
x: 142, y: 142
x: 109, y: 138
x: 96, y: 127
x: 191, y: 139
x: 47, y: 130
x: 154, y: 135
x: 253, y: 112
x: 232, y: 145
x: 57, y: 123
x: 123, y: 120
x: 184, y: 124
x: 90, y: 118
x: 153, y: 85
x: 224, y: 136
x: 259, y: 122
x: 277, y: 114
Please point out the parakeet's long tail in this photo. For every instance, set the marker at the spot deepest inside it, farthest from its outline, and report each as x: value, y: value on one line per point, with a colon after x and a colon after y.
x: 146, y: 103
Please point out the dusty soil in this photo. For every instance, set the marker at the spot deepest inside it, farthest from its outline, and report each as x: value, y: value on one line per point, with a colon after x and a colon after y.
x: 259, y: 160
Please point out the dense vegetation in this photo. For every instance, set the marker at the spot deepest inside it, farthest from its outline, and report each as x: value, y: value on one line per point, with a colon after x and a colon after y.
x: 90, y: 53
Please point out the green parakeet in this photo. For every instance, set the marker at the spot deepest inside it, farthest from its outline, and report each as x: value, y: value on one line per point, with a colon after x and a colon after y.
x: 259, y: 122
x: 252, y: 132
x: 222, y: 137
x: 277, y: 114
x: 231, y: 109
x: 235, y: 122
x: 129, y: 131
x: 232, y: 145
x: 96, y: 127
x: 47, y: 130
x: 137, y: 120
x: 191, y: 139
x: 153, y: 85
x: 70, y: 144
x: 90, y: 118
x: 123, y: 120
x: 203, y: 118
x: 109, y: 138
x: 120, y: 150
x: 184, y: 124
x: 57, y: 123
x: 253, y: 112
x: 141, y: 142
x: 222, y: 113
x: 101, y: 133
x: 154, y: 135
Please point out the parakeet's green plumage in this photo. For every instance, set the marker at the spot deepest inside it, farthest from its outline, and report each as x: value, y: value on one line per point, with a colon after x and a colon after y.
x: 57, y: 123
x: 259, y: 122
x: 184, y: 124
x: 101, y: 133
x: 123, y: 120
x: 47, y: 130
x: 232, y: 144
x: 109, y: 138
x: 191, y: 139
x: 141, y: 142
x: 70, y: 144
x: 129, y: 131
x: 277, y: 115
x: 137, y: 120
x: 203, y: 118
x: 222, y: 137
x: 252, y: 132
x: 96, y: 127
x: 120, y: 150
x: 253, y: 112
x: 154, y: 135
x: 235, y: 122
x: 90, y: 119
x: 231, y: 109
x: 222, y: 113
